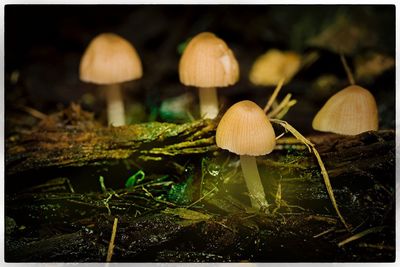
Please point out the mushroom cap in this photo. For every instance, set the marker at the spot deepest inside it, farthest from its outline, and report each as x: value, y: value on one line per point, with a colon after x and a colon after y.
x: 110, y: 59
x: 208, y: 62
x: 350, y: 111
x: 274, y: 65
x: 246, y: 130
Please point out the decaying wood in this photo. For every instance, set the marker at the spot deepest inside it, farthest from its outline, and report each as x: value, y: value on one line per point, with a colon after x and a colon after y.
x: 73, y: 138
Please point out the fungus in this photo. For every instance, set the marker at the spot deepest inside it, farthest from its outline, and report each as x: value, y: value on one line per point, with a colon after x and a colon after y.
x: 274, y: 65
x: 207, y: 63
x: 110, y: 60
x: 351, y: 111
x: 246, y: 130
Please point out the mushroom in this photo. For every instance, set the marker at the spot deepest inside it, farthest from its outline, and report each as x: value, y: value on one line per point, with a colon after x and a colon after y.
x: 350, y: 111
x: 246, y: 130
x: 269, y: 68
x: 110, y: 60
x: 207, y: 63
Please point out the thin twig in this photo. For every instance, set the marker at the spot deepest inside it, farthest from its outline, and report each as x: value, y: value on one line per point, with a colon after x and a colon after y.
x: 376, y: 246
x: 347, y: 69
x: 200, y: 199
x: 361, y: 234
x: 274, y: 95
x: 34, y: 112
x: 324, y: 173
x: 281, y: 105
x: 285, y: 109
x: 111, y: 244
x: 324, y: 232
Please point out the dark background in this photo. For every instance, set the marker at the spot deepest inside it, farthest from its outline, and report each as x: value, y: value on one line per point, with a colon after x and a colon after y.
x: 44, y: 44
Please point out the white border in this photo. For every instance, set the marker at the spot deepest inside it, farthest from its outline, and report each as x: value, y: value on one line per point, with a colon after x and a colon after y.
x: 282, y: 2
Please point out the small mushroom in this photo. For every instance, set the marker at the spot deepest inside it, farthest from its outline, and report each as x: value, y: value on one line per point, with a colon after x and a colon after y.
x: 350, y: 111
x: 246, y: 131
x: 207, y: 63
x: 269, y: 68
x: 110, y: 60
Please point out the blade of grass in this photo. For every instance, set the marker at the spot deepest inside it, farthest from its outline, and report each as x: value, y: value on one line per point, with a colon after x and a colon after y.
x: 347, y: 69
x: 274, y: 95
x: 361, y: 234
x: 324, y: 173
x: 281, y: 105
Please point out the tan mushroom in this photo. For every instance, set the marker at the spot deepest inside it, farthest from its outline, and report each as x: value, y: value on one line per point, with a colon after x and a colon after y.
x: 207, y: 63
x: 269, y: 68
x: 351, y: 111
x: 110, y: 60
x: 246, y: 131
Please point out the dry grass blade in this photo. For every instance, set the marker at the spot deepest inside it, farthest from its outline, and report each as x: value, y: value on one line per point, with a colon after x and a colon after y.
x: 274, y: 95
x: 281, y: 106
x: 376, y: 246
x: 347, y: 69
x: 361, y: 234
x: 285, y: 109
x: 278, y: 197
x: 324, y: 173
x: 34, y: 112
x: 111, y: 245
x: 324, y: 232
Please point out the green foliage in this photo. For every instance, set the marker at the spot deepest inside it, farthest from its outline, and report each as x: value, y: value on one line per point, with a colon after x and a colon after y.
x: 181, y: 193
x: 134, y: 179
x: 181, y: 47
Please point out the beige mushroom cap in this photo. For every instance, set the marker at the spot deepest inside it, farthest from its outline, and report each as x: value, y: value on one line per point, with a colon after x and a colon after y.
x: 110, y: 59
x: 208, y: 62
x: 269, y: 68
x: 246, y: 130
x: 351, y: 111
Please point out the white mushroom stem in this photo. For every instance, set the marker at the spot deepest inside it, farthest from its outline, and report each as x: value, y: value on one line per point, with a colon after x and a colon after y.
x: 115, y: 105
x: 253, y: 181
x: 208, y: 103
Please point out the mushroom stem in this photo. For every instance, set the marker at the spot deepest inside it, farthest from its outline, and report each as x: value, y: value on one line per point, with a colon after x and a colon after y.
x: 253, y: 181
x: 115, y: 105
x: 208, y: 103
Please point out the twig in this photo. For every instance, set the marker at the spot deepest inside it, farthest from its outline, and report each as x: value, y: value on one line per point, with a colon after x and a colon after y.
x: 347, y: 69
x: 285, y: 109
x: 324, y: 173
x: 361, y: 234
x: 274, y: 95
x: 325, y: 232
x: 200, y: 199
x: 376, y: 246
x: 281, y: 106
x: 111, y: 244
x: 34, y: 112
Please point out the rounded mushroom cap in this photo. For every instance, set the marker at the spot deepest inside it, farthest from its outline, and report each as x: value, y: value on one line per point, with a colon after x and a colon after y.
x: 110, y: 59
x: 208, y: 62
x: 274, y: 65
x: 246, y: 130
x: 351, y: 111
